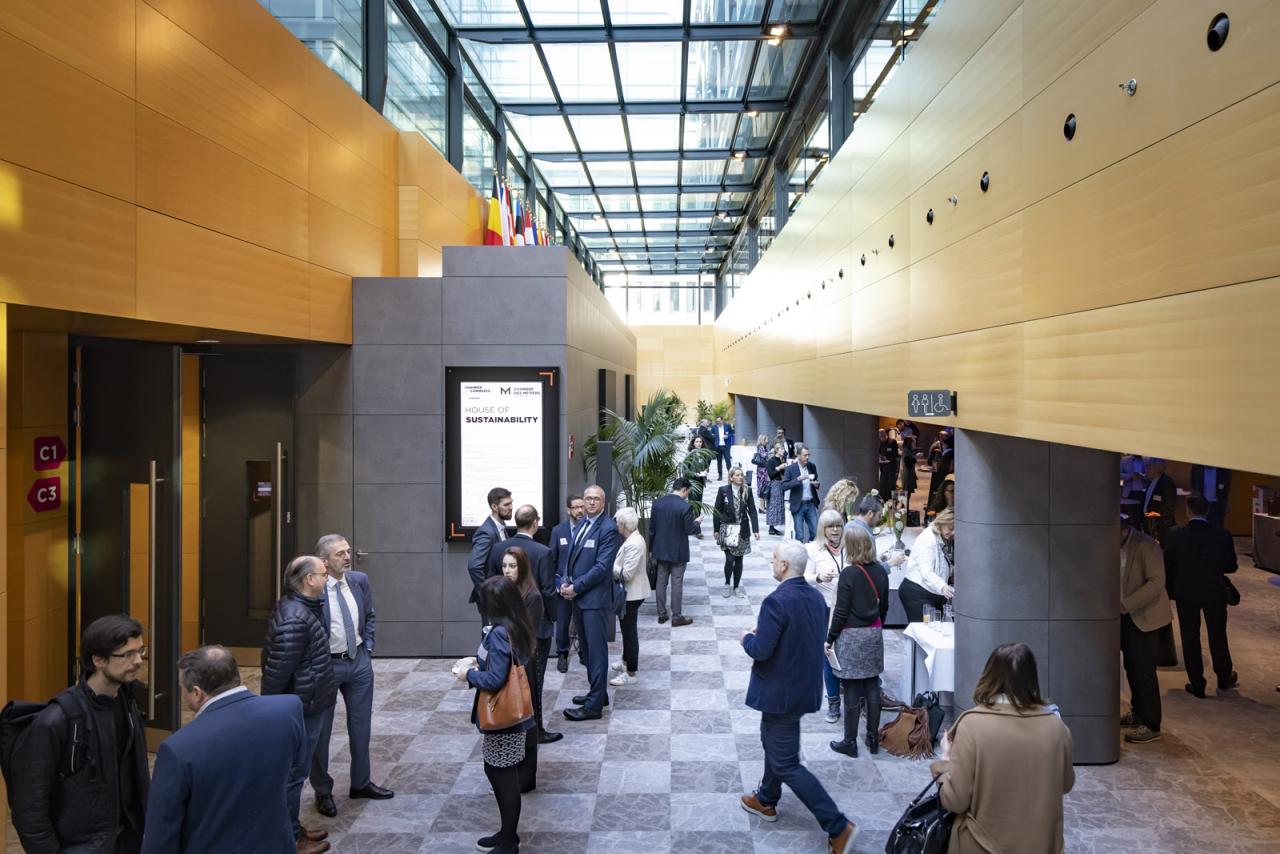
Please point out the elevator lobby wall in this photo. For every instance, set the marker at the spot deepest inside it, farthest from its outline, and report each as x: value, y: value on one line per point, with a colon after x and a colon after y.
x: 1115, y: 291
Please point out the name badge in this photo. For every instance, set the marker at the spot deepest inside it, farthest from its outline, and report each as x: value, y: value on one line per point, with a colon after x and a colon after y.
x: 591, y: 544
x: 563, y: 541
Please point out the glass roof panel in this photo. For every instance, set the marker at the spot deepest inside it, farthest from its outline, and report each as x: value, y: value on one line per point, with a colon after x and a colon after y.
x: 564, y: 13
x: 756, y: 131
x: 582, y: 72
x: 654, y: 133
x: 619, y: 201
x: 611, y: 174
x: 599, y: 133
x: 541, y: 133
x: 658, y: 201
x: 598, y: 241
x: 559, y: 174
x: 709, y: 130
x: 657, y: 171
x: 726, y: 11
x: 743, y: 171
x: 650, y: 70
x: 629, y: 241
x: 698, y: 201
x: 703, y: 171
x: 795, y: 10
x: 478, y: 13
x: 512, y: 71
x: 660, y: 224
x: 646, y: 11
x: 776, y: 69
x: 576, y: 203
x: 718, y: 69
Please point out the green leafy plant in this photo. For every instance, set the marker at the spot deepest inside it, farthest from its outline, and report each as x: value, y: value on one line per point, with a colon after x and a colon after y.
x: 712, y: 411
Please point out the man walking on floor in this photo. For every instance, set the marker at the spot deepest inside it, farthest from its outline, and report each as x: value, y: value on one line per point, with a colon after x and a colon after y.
x: 801, y: 480
x: 671, y: 523
x: 1144, y: 611
x: 349, y: 615
x: 561, y: 543
x: 786, y: 684
x: 585, y: 577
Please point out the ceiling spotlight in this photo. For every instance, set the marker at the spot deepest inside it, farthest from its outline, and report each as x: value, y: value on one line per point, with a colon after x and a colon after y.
x: 597, y: 217
x: 778, y: 30
x: 751, y: 114
x: 909, y: 32
x: 739, y: 155
x: 775, y: 41
x: 722, y: 216
x: 208, y: 341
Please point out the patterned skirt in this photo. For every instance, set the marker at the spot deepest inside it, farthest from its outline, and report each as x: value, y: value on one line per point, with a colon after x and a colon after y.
x: 861, y: 653
x: 776, y: 514
x: 503, y: 749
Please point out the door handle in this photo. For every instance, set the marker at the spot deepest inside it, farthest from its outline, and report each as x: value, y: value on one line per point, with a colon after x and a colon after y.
x: 152, y: 482
x: 277, y: 507
x: 361, y: 555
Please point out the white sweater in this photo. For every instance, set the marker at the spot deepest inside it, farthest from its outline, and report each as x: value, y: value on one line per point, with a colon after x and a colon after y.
x: 926, y: 565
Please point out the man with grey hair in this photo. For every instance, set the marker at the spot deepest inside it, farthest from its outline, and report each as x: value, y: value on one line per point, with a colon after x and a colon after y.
x: 350, y: 620
x: 295, y: 660
x: 786, y: 684
x: 870, y: 509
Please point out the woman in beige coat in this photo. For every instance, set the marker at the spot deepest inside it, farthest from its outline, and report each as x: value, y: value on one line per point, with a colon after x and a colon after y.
x: 631, y: 568
x: 1006, y: 763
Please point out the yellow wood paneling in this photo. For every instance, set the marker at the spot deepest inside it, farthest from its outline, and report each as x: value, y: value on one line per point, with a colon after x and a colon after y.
x: 345, y: 243
x: 186, y: 176
x: 420, y: 164
x: 330, y: 305
x: 338, y: 110
x: 349, y: 183
x: 1058, y: 35
x: 97, y: 38
x: 52, y: 109
x: 181, y: 78
x: 190, y: 275
x: 63, y: 246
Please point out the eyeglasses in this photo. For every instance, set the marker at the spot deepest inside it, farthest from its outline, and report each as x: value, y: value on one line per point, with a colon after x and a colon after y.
x: 139, y: 653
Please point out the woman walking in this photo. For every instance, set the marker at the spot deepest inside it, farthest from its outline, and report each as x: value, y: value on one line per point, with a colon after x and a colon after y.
x: 862, y: 601
x: 629, y: 567
x: 775, y: 514
x: 509, y: 763
x: 736, y: 523
x: 826, y: 559
x: 759, y: 460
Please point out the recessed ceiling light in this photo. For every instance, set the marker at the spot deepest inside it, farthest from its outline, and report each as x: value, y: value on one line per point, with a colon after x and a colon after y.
x: 739, y: 155
x: 751, y: 114
x: 208, y: 341
x: 778, y: 30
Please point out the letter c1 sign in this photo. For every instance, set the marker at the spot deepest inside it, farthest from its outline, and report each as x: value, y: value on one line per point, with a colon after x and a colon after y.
x: 48, y: 452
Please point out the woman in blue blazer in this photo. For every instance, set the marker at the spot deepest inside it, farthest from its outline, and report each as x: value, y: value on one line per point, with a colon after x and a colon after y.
x: 510, y: 758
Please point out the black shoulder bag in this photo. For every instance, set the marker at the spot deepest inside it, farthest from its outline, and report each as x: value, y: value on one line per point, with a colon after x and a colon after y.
x: 925, y: 826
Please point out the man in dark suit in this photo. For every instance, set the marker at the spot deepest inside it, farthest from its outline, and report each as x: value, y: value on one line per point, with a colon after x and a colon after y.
x: 671, y: 523
x: 780, y: 438
x: 722, y: 436
x: 219, y: 782
x: 888, y: 465
x: 1197, y: 559
x: 786, y: 684
x: 492, y: 530
x: 349, y: 616
x: 945, y: 465
x: 1160, y: 499
x: 801, y: 480
x: 542, y: 565
x: 1215, y: 485
x: 561, y: 542
x: 585, y: 577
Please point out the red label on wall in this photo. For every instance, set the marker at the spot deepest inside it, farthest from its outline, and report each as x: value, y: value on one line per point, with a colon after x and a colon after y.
x: 48, y: 452
x: 45, y: 494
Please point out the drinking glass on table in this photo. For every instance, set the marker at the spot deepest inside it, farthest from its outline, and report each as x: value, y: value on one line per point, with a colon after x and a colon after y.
x: 948, y: 613
x: 926, y: 615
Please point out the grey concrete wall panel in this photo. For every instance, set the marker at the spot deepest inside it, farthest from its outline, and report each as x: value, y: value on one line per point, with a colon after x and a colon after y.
x: 498, y: 356
x: 1005, y: 478
x: 409, y: 639
x: 862, y: 445
x: 323, y: 453
x: 975, y: 639
x: 1006, y: 575
x: 514, y: 261
x: 1075, y: 648
x: 1074, y: 474
x: 456, y: 583
x: 1083, y: 560
x: 324, y: 377
x: 399, y: 448
x: 404, y: 379
x: 462, y: 637
x: 506, y: 311
x: 324, y: 509
x: 400, y: 581
x: 744, y: 415
x: 1094, y: 740
x: 396, y: 311
x: 399, y: 517
x: 781, y: 413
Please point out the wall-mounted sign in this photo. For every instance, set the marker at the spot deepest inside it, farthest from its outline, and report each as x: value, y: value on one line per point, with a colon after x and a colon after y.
x: 931, y: 403
x: 45, y: 494
x: 48, y: 452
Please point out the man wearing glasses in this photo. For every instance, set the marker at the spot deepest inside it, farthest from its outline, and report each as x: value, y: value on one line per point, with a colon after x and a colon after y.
x: 80, y: 767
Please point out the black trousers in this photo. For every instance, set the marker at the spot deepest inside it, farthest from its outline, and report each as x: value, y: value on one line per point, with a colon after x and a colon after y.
x: 914, y: 598
x: 732, y: 569
x: 507, y: 784
x: 539, y: 673
x: 1215, y: 621
x: 888, y: 480
x: 631, y: 635
x: 1139, y: 649
x: 856, y: 692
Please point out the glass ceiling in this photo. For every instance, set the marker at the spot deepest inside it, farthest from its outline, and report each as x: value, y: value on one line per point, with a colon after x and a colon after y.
x: 650, y: 120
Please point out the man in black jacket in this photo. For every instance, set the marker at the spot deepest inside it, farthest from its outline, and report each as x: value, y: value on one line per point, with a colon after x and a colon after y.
x: 671, y: 523
x: 82, y: 777
x: 1197, y: 559
x: 296, y: 660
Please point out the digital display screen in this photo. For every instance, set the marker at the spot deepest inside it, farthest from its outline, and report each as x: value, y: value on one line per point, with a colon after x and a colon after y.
x: 500, y: 433
x: 263, y: 489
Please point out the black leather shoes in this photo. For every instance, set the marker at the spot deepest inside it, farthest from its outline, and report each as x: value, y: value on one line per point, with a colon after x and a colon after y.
x: 1193, y: 690
x: 373, y: 792
x: 581, y: 700
x: 549, y: 737
x: 848, y: 748
x: 325, y: 805
x: 1232, y: 681
x: 662, y: 618
x: 562, y: 663
x: 582, y: 715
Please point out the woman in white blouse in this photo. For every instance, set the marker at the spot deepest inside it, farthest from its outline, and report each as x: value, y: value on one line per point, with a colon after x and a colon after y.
x: 929, y: 568
x: 826, y: 559
x: 629, y: 567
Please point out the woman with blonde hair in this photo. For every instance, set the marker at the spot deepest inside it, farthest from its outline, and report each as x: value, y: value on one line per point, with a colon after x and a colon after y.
x: 760, y: 461
x: 736, y: 522
x: 842, y: 497
x: 826, y: 559
x: 929, y: 568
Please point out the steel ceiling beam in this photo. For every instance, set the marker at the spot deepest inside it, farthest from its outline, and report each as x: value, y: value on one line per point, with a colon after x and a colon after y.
x: 648, y: 156
x: 632, y: 33
x: 646, y: 108
x: 654, y: 189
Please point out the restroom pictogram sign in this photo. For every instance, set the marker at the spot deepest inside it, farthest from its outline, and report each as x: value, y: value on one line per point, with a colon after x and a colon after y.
x: 49, y: 452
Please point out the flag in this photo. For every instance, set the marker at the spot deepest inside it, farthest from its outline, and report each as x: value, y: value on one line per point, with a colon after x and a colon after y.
x: 529, y: 238
x: 493, y: 226
x: 504, y: 204
x: 519, y: 241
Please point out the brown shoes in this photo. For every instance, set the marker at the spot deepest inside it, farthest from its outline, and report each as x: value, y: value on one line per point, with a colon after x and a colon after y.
x: 681, y: 621
x: 752, y: 804
x: 314, y: 834
x: 843, y: 843
x: 311, y: 846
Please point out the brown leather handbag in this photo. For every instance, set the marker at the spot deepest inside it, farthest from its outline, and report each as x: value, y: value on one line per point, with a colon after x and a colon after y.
x: 509, y: 705
x: 908, y: 734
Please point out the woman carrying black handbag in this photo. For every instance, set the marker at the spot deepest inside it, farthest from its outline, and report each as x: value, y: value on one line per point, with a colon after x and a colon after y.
x: 736, y: 522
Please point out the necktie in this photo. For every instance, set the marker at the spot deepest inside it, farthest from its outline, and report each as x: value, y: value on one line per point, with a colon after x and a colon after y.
x: 582, y: 531
x: 502, y: 530
x: 347, y: 625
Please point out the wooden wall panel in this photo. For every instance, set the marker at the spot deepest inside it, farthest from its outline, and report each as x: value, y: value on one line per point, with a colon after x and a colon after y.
x: 52, y: 109
x: 331, y: 105
x: 1057, y: 35
x: 347, y: 244
x: 349, y: 183
x: 330, y: 305
x: 96, y: 38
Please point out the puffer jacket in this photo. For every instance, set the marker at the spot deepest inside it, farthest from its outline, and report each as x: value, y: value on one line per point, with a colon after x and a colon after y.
x: 296, y: 657
x: 72, y: 785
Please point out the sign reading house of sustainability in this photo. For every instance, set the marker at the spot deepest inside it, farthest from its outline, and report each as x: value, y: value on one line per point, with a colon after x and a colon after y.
x: 500, y: 435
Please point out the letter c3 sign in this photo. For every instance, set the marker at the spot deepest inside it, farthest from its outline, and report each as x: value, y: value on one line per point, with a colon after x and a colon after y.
x: 45, y: 494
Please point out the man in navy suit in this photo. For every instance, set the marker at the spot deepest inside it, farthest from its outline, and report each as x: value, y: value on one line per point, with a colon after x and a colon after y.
x: 349, y: 617
x: 585, y: 577
x: 543, y: 566
x: 786, y: 684
x: 801, y: 479
x: 671, y: 523
x: 219, y: 782
x: 492, y: 530
x: 561, y: 542
x: 722, y: 433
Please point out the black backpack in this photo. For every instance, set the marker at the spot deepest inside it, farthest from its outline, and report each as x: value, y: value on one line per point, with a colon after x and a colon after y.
x: 15, y: 725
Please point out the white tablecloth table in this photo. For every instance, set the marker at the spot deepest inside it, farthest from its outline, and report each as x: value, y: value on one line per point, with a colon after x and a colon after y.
x: 930, y: 659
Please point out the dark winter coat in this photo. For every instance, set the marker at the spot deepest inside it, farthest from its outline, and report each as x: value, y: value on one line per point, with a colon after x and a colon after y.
x: 296, y: 657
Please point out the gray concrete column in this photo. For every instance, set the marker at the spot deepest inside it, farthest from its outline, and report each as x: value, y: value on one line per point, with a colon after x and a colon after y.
x: 842, y: 444
x: 1037, y: 561
x: 772, y: 414
x: 744, y: 419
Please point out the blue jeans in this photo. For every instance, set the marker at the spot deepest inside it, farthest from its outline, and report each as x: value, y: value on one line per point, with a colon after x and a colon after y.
x: 780, y: 735
x: 806, y: 522
x: 314, y: 724
x: 355, y: 681
x: 829, y: 679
